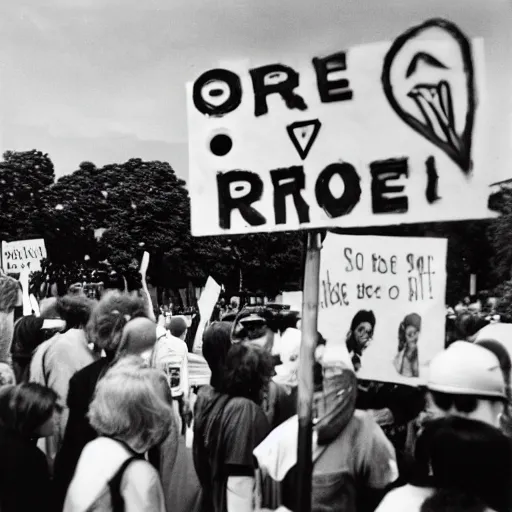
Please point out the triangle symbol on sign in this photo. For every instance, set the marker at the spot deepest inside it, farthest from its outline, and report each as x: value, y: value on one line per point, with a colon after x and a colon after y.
x: 303, y: 134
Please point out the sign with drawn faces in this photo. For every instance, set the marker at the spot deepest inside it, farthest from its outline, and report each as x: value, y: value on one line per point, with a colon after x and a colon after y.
x: 389, y: 132
x: 382, y: 304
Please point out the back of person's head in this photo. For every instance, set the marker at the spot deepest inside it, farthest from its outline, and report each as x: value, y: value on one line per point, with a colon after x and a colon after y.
x: 75, y: 310
x: 468, y: 456
x: 132, y: 403
x: 450, y: 500
x: 25, y: 408
x: 9, y: 293
x: 110, y: 315
x: 6, y: 375
x: 138, y: 338
x: 178, y: 326
x: 468, y: 324
x: 216, y: 345
x: 28, y: 335
x: 467, y: 379
x: 247, y: 372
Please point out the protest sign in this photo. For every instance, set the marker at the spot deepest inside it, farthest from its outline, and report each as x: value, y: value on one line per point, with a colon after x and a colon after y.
x: 377, y: 134
x: 205, y: 304
x: 382, y: 304
x: 23, y: 255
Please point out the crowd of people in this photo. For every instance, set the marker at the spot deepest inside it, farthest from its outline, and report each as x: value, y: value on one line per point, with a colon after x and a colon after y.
x: 97, y: 412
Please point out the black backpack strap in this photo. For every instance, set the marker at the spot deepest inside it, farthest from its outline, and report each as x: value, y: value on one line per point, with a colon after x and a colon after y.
x: 114, y: 485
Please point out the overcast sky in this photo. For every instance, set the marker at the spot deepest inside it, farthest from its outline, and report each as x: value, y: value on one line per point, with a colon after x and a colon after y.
x: 103, y: 80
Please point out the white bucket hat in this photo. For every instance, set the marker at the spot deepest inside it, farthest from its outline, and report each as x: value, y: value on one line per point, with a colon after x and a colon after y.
x: 466, y: 369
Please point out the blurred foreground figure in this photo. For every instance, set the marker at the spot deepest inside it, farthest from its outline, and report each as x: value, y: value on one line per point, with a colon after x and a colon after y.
x: 467, y: 466
x: 353, y: 461
x: 27, y: 412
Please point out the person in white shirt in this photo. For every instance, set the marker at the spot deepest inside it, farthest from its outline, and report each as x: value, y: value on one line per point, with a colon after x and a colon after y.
x: 131, y: 414
x: 171, y: 356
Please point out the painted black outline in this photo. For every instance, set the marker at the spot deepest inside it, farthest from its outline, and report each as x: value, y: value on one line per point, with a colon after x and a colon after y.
x: 463, y: 157
x: 303, y: 153
x: 422, y: 57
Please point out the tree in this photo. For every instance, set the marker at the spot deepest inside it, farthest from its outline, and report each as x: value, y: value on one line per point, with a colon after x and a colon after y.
x: 500, y: 231
x: 24, y: 181
x: 138, y: 206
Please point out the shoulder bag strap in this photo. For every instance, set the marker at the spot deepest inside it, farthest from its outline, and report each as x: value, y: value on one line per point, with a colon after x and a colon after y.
x: 114, y: 485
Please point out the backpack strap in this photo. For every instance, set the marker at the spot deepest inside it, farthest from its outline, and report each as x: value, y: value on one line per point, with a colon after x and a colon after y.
x: 114, y: 485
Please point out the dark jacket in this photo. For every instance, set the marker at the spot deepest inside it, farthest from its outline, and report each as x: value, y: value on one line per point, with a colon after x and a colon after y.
x: 78, y: 429
x: 24, y: 475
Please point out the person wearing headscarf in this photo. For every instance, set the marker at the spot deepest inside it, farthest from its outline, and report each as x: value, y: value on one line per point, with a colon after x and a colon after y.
x: 353, y: 462
x: 406, y: 361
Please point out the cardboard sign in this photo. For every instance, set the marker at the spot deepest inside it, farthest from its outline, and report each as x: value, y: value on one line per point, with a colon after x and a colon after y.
x: 23, y: 255
x: 377, y: 134
x: 382, y: 304
x: 144, y: 263
x: 206, y: 303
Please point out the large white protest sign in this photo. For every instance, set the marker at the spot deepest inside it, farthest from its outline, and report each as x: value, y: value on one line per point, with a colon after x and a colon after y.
x: 381, y: 304
x: 391, y: 132
x: 23, y: 255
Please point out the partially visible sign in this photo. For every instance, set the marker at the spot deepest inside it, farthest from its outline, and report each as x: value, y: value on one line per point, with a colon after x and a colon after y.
x: 382, y: 304
x: 206, y: 304
x: 377, y: 134
x: 23, y: 255
x: 294, y: 300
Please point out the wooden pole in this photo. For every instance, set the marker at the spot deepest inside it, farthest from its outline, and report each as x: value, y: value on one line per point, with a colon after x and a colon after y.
x: 307, y: 356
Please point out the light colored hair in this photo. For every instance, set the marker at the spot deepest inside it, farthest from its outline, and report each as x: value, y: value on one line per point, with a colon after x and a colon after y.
x: 133, y: 403
x: 6, y: 375
x: 110, y: 315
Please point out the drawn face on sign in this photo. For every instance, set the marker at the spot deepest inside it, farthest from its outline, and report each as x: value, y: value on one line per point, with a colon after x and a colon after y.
x: 428, y: 79
x: 363, y: 334
x: 411, y: 336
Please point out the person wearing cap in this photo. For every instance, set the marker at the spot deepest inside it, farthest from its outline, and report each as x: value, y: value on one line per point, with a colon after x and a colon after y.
x: 466, y: 380
x: 171, y: 356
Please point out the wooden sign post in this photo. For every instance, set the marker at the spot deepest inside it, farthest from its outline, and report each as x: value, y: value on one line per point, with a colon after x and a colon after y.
x: 307, y: 359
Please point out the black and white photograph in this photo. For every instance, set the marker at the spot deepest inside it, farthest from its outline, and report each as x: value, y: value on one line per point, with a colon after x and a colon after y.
x: 255, y: 256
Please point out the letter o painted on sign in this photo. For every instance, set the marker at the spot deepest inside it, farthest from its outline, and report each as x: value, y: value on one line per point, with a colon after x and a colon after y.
x: 394, y: 292
x: 217, y: 92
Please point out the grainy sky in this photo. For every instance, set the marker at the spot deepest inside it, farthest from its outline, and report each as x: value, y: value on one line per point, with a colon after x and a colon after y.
x: 103, y: 80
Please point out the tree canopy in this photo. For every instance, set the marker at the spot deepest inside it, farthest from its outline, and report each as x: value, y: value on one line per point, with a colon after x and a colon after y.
x: 137, y: 206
